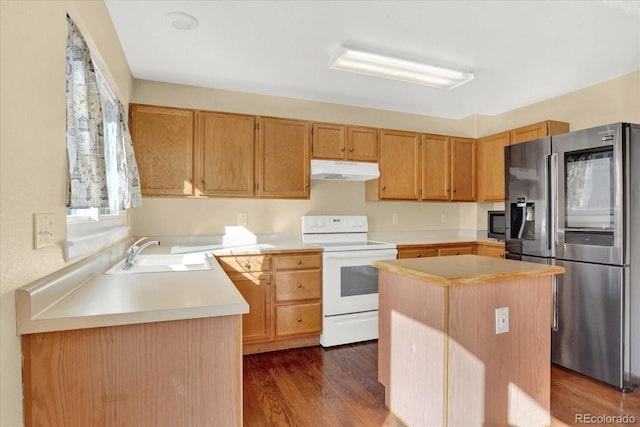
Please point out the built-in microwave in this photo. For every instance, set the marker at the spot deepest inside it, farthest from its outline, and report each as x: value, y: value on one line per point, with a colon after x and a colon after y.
x: 496, y: 225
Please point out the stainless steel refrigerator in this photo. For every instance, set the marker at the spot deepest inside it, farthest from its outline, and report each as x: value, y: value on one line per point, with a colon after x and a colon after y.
x: 574, y: 200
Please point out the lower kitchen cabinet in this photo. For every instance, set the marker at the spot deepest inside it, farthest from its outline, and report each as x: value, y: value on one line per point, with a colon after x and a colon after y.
x: 424, y: 251
x: 491, y: 249
x: 284, y: 293
x: 173, y: 373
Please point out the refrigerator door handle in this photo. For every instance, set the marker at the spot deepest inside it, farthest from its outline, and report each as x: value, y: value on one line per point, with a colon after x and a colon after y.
x: 554, y: 293
x: 553, y: 203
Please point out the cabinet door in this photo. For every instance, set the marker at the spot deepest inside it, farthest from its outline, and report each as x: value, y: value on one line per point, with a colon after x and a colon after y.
x: 256, y: 290
x: 538, y: 130
x: 491, y: 167
x: 284, y: 158
x: 163, y: 144
x: 227, y: 153
x: 329, y: 141
x: 463, y: 169
x: 362, y: 144
x: 399, y: 165
x: 436, y: 163
x: 490, y: 250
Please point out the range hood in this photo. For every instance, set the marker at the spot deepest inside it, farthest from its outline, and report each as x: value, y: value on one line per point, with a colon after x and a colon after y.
x: 344, y: 171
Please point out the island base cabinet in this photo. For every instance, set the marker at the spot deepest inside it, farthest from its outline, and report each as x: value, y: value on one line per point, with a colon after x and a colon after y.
x: 175, y: 373
x: 442, y: 363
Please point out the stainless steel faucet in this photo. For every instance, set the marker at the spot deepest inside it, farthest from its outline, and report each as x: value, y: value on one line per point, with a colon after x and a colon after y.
x: 134, y: 250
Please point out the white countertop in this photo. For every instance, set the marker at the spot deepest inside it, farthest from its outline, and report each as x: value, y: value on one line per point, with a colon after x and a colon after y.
x: 81, y: 296
x: 61, y: 303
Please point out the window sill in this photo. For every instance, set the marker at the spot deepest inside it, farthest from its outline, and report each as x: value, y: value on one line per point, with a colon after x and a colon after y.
x: 79, y: 244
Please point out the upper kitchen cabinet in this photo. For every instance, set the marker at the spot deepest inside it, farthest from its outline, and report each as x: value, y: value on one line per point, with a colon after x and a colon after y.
x: 338, y: 142
x: 284, y: 152
x: 448, y: 168
x: 163, y: 144
x: 399, y: 167
x: 226, y: 147
x: 537, y: 130
x: 491, y: 167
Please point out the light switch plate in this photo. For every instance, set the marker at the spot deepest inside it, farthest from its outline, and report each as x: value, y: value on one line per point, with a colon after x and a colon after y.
x: 243, y: 219
x: 43, y: 230
x: 502, y: 320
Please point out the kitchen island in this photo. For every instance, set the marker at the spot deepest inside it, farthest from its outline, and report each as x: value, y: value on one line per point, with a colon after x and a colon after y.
x: 448, y: 357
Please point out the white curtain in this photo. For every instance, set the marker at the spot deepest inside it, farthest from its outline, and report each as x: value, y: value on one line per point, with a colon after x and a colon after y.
x: 102, y: 167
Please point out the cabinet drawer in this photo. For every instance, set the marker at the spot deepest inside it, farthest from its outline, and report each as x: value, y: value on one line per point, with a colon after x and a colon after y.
x: 297, y: 285
x: 455, y: 250
x: 417, y: 253
x: 298, y: 319
x: 494, y: 251
x: 245, y: 263
x: 296, y: 262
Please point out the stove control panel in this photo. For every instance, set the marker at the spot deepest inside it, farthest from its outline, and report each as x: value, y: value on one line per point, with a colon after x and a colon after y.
x: 334, y: 224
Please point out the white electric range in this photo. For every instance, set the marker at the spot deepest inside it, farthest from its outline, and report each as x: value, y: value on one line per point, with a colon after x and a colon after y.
x: 349, y: 282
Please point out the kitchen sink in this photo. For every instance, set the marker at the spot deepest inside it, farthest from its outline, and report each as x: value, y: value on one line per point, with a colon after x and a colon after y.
x: 163, y: 263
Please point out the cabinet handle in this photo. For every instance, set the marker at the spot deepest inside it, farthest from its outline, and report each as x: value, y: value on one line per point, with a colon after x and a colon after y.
x: 299, y: 285
x: 419, y: 255
x: 299, y: 319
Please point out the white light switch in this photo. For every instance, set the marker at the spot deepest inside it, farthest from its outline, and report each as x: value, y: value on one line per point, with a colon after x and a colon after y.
x: 394, y: 218
x: 243, y: 219
x: 502, y: 320
x: 43, y: 230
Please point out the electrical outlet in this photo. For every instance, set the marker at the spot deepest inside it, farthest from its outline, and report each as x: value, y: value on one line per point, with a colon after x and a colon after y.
x: 394, y: 218
x: 443, y: 217
x: 502, y: 320
x: 243, y: 219
x: 42, y: 230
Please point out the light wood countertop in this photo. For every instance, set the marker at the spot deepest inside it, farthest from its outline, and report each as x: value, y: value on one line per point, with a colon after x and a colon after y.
x: 466, y: 269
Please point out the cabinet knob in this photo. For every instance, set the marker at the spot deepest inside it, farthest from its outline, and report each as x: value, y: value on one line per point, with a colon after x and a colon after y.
x: 247, y: 266
x: 299, y: 319
x: 448, y: 190
x: 306, y: 185
x: 189, y: 180
x: 299, y: 285
x: 384, y: 187
x: 342, y: 149
x: 419, y: 255
x: 454, y: 190
x: 268, y: 282
x: 501, y: 255
x: 298, y: 262
x: 201, y: 182
x: 351, y: 149
x: 457, y: 252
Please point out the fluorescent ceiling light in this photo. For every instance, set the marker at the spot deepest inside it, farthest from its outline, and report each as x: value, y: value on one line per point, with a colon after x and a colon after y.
x: 389, y: 67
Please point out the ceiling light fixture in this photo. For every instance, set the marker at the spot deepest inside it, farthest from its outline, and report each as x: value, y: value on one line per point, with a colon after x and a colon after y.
x: 360, y: 61
x: 181, y: 21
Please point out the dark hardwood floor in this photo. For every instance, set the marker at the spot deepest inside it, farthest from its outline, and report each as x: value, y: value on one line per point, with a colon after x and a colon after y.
x: 338, y: 386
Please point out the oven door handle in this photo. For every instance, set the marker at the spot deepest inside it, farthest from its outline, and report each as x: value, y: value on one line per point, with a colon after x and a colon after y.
x: 377, y: 254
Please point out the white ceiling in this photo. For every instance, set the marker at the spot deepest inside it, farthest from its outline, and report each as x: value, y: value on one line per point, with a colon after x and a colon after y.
x: 521, y: 51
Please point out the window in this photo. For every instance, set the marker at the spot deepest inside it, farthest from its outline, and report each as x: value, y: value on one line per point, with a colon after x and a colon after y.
x: 89, y: 229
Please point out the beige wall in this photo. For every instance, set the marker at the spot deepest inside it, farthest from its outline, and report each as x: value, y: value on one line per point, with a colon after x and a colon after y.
x: 33, y: 154
x: 33, y: 151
